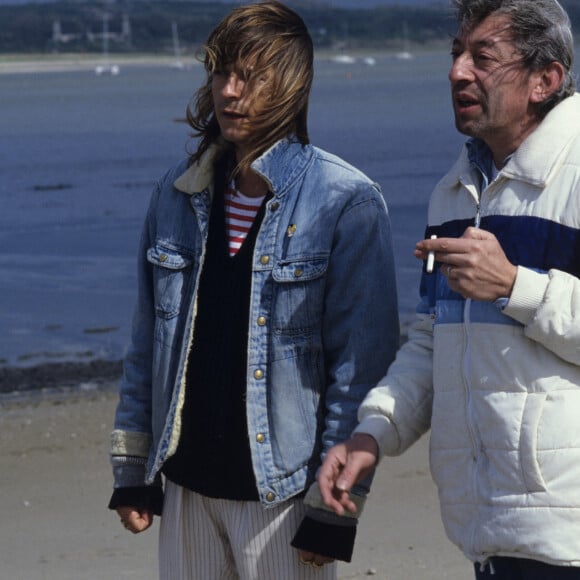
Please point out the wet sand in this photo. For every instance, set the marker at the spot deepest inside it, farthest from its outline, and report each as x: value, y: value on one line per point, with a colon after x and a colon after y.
x: 56, y: 482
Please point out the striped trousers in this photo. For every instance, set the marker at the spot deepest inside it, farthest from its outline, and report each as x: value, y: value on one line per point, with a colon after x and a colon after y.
x: 214, y: 539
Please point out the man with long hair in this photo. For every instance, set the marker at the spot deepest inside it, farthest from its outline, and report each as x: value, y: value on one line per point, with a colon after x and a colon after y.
x: 266, y: 311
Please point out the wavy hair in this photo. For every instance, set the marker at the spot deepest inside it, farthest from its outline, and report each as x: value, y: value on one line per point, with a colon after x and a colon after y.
x: 542, y: 34
x: 269, y: 43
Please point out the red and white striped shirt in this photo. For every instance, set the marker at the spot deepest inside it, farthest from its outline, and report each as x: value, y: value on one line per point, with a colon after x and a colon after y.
x: 240, y: 214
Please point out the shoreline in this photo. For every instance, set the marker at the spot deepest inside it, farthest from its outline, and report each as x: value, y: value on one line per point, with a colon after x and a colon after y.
x: 58, y: 378
x: 74, y: 62
x: 18, y: 63
x: 68, y: 377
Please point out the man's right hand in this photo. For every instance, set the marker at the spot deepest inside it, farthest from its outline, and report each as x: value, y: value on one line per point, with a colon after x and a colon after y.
x: 135, y: 520
x: 346, y: 464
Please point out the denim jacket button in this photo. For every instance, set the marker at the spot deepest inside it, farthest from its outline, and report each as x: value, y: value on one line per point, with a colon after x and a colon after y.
x: 264, y: 260
x: 163, y: 257
x: 260, y: 438
x: 298, y: 272
x: 259, y: 374
x: 274, y: 206
x: 270, y: 496
x: 261, y: 321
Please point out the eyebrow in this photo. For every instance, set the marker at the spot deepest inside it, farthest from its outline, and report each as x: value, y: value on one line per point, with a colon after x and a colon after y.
x: 483, y: 43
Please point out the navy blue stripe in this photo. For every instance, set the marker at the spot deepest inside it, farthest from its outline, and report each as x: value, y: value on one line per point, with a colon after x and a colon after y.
x: 537, y: 243
x: 451, y: 229
x: 528, y: 241
x: 533, y: 242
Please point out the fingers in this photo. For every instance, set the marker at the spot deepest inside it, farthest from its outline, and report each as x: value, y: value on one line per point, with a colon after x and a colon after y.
x: 135, y: 520
x: 314, y: 560
x: 472, y: 233
x: 328, y: 476
x: 446, y: 246
x: 344, y: 466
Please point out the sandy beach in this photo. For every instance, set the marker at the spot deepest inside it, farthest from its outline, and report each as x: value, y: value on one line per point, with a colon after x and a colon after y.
x: 56, y: 482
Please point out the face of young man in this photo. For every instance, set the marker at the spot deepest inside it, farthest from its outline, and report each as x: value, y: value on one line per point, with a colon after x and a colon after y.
x: 491, y: 89
x: 236, y: 103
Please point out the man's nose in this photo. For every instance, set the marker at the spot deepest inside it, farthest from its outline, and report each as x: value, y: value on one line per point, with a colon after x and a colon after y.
x: 233, y: 86
x: 461, y: 69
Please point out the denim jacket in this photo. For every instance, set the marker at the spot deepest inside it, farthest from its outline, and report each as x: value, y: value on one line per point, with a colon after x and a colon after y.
x: 323, y: 316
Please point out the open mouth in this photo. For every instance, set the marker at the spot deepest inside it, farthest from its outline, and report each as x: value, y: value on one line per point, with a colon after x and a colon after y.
x: 234, y: 115
x: 465, y: 102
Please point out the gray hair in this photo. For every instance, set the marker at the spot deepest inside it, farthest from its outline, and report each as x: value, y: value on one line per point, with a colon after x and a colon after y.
x: 542, y: 34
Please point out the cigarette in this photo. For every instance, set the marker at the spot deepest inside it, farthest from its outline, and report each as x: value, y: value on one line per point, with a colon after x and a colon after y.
x: 431, y: 259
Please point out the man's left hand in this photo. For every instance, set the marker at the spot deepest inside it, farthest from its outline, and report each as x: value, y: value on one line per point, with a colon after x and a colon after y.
x: 475, y: 264
x: 315, y: 560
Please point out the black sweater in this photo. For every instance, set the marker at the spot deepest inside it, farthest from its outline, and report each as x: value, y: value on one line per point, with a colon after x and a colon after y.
x: 213, y: 454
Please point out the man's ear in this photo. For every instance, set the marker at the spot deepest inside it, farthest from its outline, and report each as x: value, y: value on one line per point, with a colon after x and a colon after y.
x: 547, y: 82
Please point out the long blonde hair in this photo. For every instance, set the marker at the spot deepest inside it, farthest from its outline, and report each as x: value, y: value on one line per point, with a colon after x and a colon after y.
x: 270, y: 43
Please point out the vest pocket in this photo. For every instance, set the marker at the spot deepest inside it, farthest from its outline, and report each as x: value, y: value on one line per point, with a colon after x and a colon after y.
x: 531, y: 471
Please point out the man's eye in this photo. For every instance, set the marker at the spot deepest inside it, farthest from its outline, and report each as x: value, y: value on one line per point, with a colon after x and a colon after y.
x: 481, y: 58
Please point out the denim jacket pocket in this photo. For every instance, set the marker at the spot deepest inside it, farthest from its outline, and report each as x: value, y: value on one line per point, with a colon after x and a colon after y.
x: 170, y: 271
x: 300, y: 269
x: 299, y: 294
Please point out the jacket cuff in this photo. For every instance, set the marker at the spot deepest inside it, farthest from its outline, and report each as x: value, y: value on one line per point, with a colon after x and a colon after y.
x: 527, y: 295
x: 315, y: 505
x: 382, y: 430
x: 142, y: 497
x: 130, y: 443
x: 326, y: 539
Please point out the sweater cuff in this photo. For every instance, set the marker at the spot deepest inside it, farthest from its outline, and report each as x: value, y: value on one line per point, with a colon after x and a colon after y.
x: 326, y: 539
x: 144, y: 497
x: 527, y: 295
x: 383, y: 432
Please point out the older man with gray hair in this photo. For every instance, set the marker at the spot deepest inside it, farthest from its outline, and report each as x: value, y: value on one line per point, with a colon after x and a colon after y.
x: 492, y: 364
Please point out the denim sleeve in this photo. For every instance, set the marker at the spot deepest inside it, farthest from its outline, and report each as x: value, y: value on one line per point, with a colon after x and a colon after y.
x: 360, y: 325
x: 131, y: 438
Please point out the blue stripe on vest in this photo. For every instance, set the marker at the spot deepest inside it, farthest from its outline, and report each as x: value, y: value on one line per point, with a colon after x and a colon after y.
x: 533, y: 242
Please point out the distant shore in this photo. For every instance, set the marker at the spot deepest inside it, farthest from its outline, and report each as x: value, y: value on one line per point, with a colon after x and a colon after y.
x: 41, y: 63
x: 63, y: 62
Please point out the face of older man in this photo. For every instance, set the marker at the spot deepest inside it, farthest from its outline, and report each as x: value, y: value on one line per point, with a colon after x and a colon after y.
x: 491, y: 88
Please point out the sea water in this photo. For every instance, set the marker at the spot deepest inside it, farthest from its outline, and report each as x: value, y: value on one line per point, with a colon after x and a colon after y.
x: 79, y: 155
